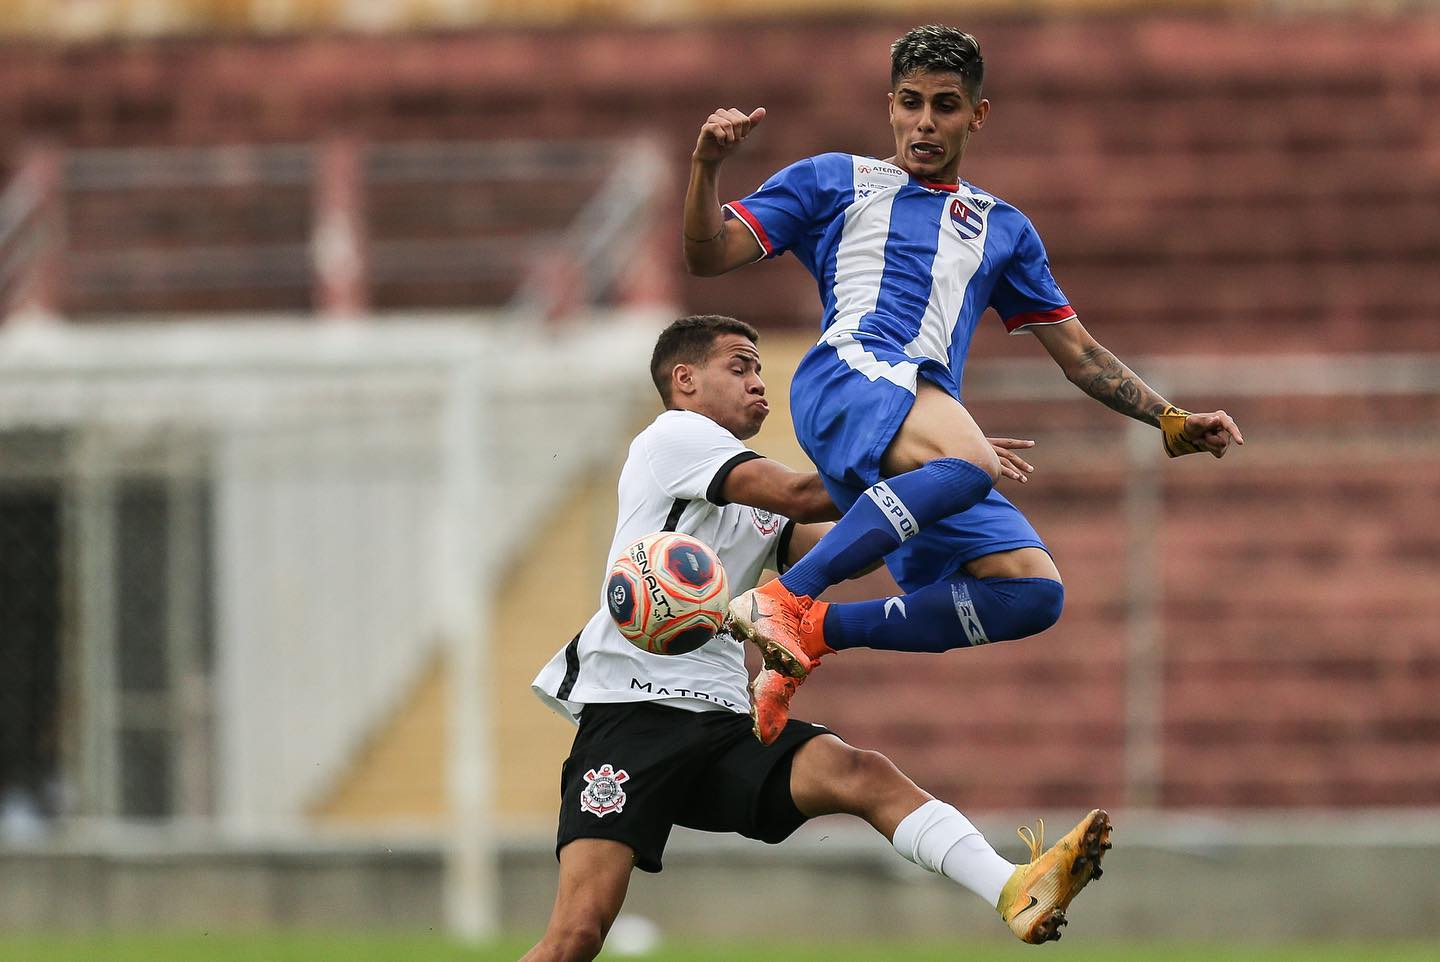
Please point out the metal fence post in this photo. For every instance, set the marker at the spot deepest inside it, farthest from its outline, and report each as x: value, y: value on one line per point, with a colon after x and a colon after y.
x: 33, y: 224
x: 338, y: 243
x: 472, y: 887
x: 1144, y: 646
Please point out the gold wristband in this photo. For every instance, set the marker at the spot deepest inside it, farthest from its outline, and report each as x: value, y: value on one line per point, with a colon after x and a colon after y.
x: 1172, y: 428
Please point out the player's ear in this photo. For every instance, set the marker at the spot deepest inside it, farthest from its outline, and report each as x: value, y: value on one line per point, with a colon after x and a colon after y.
x: 982, y: 110
x: 682, y: 380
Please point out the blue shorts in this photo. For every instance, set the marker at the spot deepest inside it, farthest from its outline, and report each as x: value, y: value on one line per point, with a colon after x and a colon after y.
x: 850, y: 394
x: 847, y: 400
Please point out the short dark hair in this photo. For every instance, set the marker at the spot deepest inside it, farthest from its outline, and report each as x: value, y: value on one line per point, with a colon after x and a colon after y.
x: 689, y: 341
x: 934, y: 48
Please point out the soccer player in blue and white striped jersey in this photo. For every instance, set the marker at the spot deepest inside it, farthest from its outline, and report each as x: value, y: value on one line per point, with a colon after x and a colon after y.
x: 908, y: 256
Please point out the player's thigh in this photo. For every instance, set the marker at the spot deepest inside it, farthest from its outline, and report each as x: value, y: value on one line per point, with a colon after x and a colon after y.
x: 820, y: 776
x: 1017, y: 563
x: 594, y: 877
x: 938, y: 426
x: 829, y: 777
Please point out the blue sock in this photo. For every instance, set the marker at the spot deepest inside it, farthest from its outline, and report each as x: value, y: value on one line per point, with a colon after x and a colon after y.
x: 952, y: 614
x: 889, y: 513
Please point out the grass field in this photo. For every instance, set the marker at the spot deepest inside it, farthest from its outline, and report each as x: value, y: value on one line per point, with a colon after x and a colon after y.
x: 206, y: 948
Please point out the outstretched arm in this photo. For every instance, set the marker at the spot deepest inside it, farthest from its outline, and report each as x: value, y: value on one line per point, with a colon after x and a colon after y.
x: 801, y: 495
x: 714, y: 245
x: 771, y: 486
x: 1102, y: 375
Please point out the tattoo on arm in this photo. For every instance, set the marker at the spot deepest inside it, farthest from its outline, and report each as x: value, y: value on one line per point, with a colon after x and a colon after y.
x: 1101, y: 375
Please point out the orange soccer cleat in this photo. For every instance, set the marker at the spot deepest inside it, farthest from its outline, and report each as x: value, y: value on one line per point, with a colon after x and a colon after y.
x: 788, y: 629
x: 770, y: 695
x: 1033, y: 902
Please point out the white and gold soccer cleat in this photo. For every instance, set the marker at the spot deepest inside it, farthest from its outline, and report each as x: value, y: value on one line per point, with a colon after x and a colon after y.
x: 1033, y: 902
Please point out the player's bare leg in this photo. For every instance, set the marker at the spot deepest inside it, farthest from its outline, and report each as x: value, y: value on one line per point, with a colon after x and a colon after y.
x: 594, y: 877
x: 830, y: 777
x: 1016, y: 563
x: 938, y: 426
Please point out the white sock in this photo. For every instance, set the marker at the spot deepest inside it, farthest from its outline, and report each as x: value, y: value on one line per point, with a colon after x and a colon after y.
x: 937, y: 837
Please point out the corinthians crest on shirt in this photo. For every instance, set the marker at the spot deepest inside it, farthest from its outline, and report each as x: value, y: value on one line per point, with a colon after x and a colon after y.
x: 765, y: 522
x: 966, y: 219
x: 602, y: 793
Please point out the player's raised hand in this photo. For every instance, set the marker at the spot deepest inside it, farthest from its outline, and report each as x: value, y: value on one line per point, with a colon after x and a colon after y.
x: 724, y: 131
x: 1012, y: 466
x: 1213, y: 431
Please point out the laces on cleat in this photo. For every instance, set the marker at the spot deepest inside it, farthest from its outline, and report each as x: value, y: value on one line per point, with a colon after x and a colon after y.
x: 1035, y: 840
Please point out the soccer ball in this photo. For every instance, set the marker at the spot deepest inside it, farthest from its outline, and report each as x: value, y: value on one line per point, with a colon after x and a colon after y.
x: 667, y: 593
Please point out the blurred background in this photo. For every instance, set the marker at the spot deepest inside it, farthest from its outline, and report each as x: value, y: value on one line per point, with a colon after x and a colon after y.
x: 325, y: 330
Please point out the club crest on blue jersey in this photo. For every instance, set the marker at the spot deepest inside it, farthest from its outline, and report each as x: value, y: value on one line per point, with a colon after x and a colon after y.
x: 967, y: 221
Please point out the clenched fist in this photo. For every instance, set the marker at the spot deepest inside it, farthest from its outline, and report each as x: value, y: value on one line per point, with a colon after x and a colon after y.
x: 724, y: 131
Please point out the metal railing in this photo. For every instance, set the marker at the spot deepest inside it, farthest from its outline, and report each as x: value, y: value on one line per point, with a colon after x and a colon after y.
x: 541, y: 229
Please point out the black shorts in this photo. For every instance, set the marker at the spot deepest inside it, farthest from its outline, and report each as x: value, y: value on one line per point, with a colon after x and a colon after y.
x: 637, y: 768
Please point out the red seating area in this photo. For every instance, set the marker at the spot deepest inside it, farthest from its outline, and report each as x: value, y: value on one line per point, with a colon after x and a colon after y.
x: 1205, y: 185
x: 1262, y: 183
x: 1300, y: 665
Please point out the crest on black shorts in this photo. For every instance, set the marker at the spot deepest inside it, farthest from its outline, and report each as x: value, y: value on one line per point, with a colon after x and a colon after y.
x: 603, y: 794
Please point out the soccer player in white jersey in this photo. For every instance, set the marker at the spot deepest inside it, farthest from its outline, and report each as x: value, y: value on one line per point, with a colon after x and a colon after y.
x: 908, y: 257
x: 664, y: 740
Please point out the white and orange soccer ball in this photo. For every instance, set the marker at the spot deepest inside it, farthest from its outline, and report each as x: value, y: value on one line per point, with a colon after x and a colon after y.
x: 667, y: 593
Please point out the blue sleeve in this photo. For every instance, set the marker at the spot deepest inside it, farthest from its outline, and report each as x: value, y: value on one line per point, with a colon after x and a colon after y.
x: 779, y: 213
x: 1026, y: 293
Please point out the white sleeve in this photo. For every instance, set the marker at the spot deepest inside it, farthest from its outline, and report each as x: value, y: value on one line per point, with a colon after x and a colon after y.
x: 690, y: 456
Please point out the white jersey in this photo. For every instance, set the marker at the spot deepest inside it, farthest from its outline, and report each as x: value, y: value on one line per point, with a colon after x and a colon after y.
x: 671, y: 482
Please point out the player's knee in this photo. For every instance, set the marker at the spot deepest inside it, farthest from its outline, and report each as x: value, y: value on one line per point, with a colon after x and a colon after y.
x: 983, y: 458
x: 863, y: 772
x: 988, y: 461
x: 959, y: 475
x: 1039, y: 605
x: 577, y: 940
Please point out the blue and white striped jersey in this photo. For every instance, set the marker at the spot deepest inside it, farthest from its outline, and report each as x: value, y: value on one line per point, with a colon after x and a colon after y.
x: 904, y: 260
